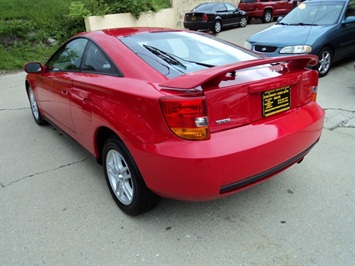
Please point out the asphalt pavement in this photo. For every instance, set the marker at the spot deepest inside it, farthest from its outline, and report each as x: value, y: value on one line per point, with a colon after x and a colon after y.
x: 55, y: 207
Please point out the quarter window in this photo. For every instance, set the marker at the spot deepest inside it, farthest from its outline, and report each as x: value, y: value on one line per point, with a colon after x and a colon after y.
x: 96, y: 61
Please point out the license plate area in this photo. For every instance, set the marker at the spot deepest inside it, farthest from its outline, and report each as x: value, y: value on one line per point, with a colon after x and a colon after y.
x: 276, y: 101
x: 193, y: 18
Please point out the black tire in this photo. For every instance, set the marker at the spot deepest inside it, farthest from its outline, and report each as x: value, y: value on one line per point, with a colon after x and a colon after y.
x: 243, y: 22
x: 325, y: 61
x: 36, y: 112
x: 267, y: 16
x: 124, y: 180
x: 217, y: 26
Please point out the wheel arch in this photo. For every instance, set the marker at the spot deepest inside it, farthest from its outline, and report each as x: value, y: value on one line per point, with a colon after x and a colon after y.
x: 326, y: 45
x: 269, y: 9
x: 102, y: 135
x: 27, y: 85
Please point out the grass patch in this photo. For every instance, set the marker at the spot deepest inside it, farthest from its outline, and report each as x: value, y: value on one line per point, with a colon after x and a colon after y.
x: 26, y: 25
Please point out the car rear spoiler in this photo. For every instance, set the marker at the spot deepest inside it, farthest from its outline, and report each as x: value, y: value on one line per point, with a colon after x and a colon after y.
x: 216, y: 74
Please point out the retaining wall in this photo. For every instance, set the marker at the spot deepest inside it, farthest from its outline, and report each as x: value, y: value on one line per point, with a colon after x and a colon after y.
x: 167, y: 18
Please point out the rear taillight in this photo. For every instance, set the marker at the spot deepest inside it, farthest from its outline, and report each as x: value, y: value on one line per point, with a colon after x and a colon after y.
x: 185, y: 18
x: 186, y: 117
x: 204, y: 17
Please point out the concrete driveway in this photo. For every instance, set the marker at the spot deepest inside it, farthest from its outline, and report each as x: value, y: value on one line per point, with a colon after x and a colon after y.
x: 57, y: 210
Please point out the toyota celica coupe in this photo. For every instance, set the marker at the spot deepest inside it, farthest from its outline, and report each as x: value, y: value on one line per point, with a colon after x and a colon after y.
x: 177, y: 114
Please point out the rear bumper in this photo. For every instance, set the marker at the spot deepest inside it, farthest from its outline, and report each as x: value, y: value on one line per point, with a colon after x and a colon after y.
x: 231, y: 160
x: 264, y: 175
x: 198, y: 25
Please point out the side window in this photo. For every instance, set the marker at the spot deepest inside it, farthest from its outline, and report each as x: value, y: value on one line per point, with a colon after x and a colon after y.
x: 68, y: 58
x: 221, y: 8
x: 230, y: 8
x: 350, y: 10
x: 96, y: 61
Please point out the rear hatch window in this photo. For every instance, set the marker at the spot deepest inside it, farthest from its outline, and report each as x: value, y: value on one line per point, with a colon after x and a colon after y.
x: 178, y: 53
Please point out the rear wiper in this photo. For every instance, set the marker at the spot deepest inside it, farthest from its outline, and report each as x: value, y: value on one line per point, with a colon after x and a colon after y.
x: 197, y: 63
x: 164, y: 56
x: 175, y: 57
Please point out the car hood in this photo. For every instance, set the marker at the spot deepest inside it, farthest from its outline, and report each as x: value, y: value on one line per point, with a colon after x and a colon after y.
x: 281, y: 35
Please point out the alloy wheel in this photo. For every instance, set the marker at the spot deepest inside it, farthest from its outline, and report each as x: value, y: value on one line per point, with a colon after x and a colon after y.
x: 119, y: 176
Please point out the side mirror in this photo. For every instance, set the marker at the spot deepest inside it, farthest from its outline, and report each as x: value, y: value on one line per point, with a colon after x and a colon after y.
x: 348, y: 20
x: 33, y: 67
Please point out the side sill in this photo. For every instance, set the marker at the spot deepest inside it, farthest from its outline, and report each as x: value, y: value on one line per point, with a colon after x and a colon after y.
x: 259, y: 177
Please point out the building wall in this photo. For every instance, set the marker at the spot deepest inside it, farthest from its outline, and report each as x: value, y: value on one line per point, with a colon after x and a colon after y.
x: 167, y: 18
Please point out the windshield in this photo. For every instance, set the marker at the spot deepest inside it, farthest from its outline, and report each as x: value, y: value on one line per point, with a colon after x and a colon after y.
x: 314, y: 13
x: 176, y: 53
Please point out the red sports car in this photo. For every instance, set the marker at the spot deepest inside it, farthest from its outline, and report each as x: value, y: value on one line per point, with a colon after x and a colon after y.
x: 177, y: 114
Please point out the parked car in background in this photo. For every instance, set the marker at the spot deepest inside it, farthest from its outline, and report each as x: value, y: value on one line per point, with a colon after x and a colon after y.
x: 214, y: 17
x: 325, y: 28
x: 266, y: 10
x: 177, y: 114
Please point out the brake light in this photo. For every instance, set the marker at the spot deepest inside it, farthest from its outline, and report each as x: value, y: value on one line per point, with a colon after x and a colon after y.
x: 186, y: 117
x: 204, y: 17
x: 185, y: 19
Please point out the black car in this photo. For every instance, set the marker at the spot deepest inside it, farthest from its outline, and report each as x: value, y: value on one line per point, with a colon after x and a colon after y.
x: 214, y: 17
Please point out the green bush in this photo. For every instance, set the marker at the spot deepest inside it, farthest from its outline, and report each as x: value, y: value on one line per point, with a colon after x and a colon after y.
x: 135, y: 7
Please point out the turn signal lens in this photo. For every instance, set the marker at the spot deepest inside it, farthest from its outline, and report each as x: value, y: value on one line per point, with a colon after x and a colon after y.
x: 314, y: 93
x: 186, y: 117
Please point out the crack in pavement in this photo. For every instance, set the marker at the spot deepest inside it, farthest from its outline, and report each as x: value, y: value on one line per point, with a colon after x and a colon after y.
x: 43, y: 172
x: 15, y: 109
x: 338, y: 118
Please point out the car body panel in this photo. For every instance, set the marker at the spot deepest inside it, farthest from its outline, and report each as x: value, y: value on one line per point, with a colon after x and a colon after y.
x: 126, y: 101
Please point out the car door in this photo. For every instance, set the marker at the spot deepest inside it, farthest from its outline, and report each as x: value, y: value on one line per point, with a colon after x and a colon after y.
x: 56, y: 84
x: 223, y: 14
x: 278, y: 7
x: 248, y: 5
x: 97, y: 72
x: 346, y: 32
x: 235, y: 15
